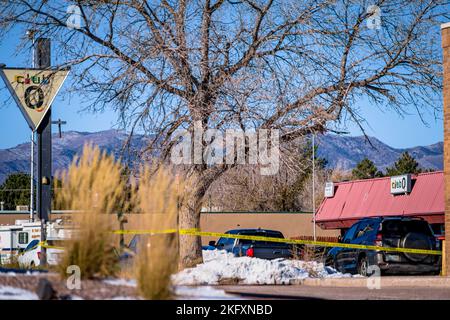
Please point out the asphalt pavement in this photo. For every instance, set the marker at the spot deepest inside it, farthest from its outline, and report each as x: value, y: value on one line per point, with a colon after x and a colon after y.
x: 387, y: 288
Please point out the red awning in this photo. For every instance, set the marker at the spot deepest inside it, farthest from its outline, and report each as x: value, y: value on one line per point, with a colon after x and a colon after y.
x: 354, y: 200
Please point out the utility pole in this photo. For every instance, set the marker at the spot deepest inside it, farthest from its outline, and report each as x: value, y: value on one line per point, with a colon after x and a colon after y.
x: 59, y: 123
x: 44, y: 143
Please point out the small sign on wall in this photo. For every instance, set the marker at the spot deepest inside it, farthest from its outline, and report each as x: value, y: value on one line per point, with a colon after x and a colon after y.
x: 329, y: 189
x: 401, y: 184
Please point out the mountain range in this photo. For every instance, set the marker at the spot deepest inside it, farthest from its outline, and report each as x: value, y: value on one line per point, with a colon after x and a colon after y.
x: 342, y: 152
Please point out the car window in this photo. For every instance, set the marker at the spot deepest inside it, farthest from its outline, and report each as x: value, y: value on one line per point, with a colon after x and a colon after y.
x: 225, y: 242
x: 350, y: 234
x: 402, y: 227
x: 271, y: 234
x: 31, y: 244
x: 365, y: 228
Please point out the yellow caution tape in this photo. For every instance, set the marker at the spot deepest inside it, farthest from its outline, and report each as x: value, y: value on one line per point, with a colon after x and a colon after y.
x: 46, y: 245
x: 197, y: 232
x: 316, y: 243
x: 145, y: 231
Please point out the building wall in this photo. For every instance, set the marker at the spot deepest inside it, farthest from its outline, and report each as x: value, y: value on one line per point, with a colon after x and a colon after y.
x: 446, y: 99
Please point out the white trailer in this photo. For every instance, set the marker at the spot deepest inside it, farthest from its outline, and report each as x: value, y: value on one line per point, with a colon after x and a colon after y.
x: 14, y: 238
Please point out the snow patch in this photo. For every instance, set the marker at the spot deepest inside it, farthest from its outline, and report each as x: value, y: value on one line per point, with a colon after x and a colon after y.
x: 11, y: 293
x: 220, y: 266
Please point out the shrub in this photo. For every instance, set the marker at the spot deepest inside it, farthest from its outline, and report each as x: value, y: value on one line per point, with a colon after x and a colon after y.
x: 157, y: 254
x: 93, y: 186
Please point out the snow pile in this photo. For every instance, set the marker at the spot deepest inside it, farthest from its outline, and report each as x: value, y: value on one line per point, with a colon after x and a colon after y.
x: 181, y: 292
x: 11, y: 293
x: 220, y: 266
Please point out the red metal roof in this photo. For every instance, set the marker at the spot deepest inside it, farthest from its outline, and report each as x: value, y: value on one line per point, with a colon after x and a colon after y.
x: 357, y: 199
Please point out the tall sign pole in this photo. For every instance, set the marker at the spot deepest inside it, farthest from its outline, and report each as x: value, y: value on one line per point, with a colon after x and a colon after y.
x: 44, y: 140
x: 42, y: 60
x: 32, y: 178
x: 30, y: 34
x: 34, y: 90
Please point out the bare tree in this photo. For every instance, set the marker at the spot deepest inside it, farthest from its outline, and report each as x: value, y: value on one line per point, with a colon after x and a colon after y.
x: 294, y: 65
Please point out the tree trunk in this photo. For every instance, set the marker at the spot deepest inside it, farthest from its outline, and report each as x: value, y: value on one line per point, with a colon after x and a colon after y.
x: 190, y: 246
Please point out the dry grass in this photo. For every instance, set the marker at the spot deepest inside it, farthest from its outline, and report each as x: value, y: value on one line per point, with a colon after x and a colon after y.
x: 12, y: 263
x: 93, y: 185
x: 157, y: 255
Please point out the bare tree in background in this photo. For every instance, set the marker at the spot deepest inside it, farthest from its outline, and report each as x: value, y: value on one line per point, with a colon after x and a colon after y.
x: 294, y: 65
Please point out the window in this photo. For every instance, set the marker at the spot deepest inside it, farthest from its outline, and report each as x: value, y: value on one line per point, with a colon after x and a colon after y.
x: 350, y: 234
x: 225, y: 242
x: 364, y: 228
x: 23, y: 237
x: 270, y: 234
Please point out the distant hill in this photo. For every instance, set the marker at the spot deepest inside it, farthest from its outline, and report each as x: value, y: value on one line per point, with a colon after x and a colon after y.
x: 64, y: 149
x: 345, y: 152
x: 340, y: 151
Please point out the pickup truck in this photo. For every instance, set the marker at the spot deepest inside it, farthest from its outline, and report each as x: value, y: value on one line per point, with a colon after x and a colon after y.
x: 253, y: 248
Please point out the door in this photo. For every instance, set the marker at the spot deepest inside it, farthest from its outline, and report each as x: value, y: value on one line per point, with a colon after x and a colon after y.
x: 363, y: 236
x: 343, y: 254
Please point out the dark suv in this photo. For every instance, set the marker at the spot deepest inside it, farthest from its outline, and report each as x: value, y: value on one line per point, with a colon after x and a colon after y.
x: 253, y: 248
x: 398, y: 232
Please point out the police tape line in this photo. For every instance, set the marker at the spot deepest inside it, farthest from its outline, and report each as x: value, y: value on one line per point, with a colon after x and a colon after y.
x: 197, y: 232
x: 42, y: 244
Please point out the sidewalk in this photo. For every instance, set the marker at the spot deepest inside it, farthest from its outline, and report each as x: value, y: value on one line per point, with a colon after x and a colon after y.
x: 386, y: 281
x: 391, y: 288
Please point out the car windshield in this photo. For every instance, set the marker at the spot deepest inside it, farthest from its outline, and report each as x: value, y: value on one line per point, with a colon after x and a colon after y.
x: 270, y: 234
x: 31, y: 245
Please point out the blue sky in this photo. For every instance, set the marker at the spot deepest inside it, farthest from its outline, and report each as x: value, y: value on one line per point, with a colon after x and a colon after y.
x: 387, y: 126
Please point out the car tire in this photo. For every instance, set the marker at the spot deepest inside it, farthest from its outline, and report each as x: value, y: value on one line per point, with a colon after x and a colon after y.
x: 363, y: 266
x: 336, y: 265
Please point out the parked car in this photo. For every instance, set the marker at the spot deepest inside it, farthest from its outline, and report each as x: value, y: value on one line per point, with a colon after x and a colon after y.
x: 397, y: 232
x: 253, y: 248
x: 30, y: 257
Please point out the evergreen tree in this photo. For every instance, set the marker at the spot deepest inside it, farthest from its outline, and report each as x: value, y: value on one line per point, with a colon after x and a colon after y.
x: 366, y: 169
x: 15, y: 191
x: 405, y: 164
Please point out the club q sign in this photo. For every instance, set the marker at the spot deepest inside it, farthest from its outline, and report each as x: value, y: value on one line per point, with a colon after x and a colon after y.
x: 33, y: 90
x: 401, y: 184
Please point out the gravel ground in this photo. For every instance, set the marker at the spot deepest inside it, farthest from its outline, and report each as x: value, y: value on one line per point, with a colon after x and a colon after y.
x: 90, y: 289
